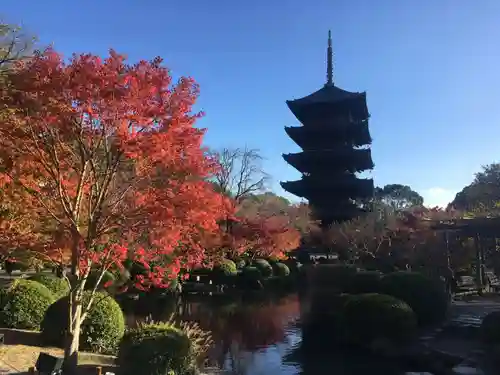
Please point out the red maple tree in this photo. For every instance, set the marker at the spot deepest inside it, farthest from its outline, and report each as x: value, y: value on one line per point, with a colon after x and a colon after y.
x: 110, y: 165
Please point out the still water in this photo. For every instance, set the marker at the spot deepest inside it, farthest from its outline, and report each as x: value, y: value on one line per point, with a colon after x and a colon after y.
x: 258, y: 336
x: 251, y: 336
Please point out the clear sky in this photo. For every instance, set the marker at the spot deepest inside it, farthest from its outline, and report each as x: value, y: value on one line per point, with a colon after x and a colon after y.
x: 430, y: 69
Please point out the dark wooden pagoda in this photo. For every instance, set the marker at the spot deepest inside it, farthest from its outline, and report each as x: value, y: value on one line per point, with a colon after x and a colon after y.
x: 335, y: 141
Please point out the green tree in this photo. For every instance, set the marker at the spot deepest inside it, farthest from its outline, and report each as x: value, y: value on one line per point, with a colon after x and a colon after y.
x: 398, y: 197
x: 483, y: 193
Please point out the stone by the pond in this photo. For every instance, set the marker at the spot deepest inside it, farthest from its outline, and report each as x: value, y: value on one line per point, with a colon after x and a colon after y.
x: 466, y: 370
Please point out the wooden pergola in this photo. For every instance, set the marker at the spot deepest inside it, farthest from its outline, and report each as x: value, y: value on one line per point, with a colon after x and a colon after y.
x: 477, y: 228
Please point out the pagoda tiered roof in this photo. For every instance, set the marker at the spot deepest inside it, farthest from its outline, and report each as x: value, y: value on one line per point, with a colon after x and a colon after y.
x: 319, y: 137
x: 338, y: 159
x: 347, y: 186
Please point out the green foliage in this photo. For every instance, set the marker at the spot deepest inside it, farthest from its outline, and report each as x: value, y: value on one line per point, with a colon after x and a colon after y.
x: 264, y: 267
x: 370, y: 317
x: 161, y: 348
x: 426, y: 296
x: 398, y: 197
x: 226, y: 267
x: 24, y: 304
x: 364, y: 282
x: 240, y: 263
x: 59, y: 287
x: 101, y: 331
x: 250, y: 278
x: 490, y: 328
x: 335, y: 276
x: 93, y: 276
x: 281, y: 269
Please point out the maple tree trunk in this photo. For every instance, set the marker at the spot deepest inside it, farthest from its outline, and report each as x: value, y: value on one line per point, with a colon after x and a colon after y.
x: 73, y: 336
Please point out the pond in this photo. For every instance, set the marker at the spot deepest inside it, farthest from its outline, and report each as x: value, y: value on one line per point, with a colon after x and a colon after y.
x: 257, y: 336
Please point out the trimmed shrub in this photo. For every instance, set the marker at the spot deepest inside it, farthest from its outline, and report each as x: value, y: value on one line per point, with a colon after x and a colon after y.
x: 93, y: 276
x: 427, y: 297
x: 240, y: 263
x: 264, y: 267
x: 337, y: 277
x: 59, y: 287
x: 24, y: 304
x: 101, y: 331
x: 369, y: 317
x: 281, y: 269
x: 490, y: 328
x: 364, y: 282
x: 226, y: 267
x: 161, y: 348
x: 250, y: 278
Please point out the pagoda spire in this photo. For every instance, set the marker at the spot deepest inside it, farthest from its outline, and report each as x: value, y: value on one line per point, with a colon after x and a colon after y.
x: 329, y: 64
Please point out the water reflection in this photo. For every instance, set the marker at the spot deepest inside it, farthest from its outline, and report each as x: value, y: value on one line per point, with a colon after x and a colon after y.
x: 251, y: 336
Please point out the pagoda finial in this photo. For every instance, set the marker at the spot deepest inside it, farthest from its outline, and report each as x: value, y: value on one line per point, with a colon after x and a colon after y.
x: 329, y: 66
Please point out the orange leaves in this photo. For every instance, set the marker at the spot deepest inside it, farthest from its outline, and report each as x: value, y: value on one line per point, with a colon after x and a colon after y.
x: 109, y: 156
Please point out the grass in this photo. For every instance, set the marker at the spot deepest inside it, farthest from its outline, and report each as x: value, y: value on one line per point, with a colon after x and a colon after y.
x: 22, y: 348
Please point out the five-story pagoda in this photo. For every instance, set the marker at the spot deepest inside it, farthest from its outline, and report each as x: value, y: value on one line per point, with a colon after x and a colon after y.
x: 335, y: 140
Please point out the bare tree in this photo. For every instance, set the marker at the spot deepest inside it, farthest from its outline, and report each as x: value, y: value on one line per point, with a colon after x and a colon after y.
x: 240, y: 172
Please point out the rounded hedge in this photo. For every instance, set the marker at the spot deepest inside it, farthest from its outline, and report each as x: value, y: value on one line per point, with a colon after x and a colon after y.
x: 369, y: 317
x: 93, y: 276
x: 490, y: 328
x: 226, y: 267
x: 156, y: 348
x: 334, y: 276
x: 264, y: 267
x: 250, y: 278
x: 281, y: 269
x: 101, y: 331
x: 427, y: 297
x: 24, y: 304
x: 59, y: 287
x: 364, y: 282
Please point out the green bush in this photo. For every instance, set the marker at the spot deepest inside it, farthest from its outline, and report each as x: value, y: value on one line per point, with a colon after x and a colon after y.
x: 264, y: 267
x: 101, y: 331
x: 427, y: 297
x: 281, y: 269
x: 24, y: 304
x: 250, y: 278
x: 364, y: 282
x: 93, y: 276
x: 369, y: 317
x: 335, y: 276
x: 226, y: 267
x: 162, y: 348
x: 59, y: 287
x: 490, y: 328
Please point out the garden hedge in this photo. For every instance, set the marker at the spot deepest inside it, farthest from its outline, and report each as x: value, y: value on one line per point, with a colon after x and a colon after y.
x: 281, y: 269
x: 24, y: 303
x: 157, y: 349
x: 58, y: 286
x: 369, y: 317
x: 427, y: 297
x: 364, y: 282
x: 264, y: 267
x: 101, y: 331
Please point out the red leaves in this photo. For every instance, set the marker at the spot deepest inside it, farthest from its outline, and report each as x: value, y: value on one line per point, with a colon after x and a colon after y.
x: 111, y: 159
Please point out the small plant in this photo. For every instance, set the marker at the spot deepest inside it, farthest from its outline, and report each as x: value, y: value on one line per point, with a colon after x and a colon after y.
x: 163, y: 347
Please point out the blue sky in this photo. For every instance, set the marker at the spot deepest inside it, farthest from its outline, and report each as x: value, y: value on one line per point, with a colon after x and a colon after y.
x: 430, y: 69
